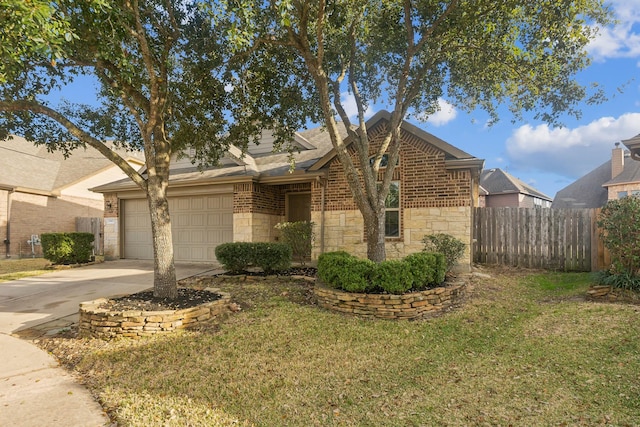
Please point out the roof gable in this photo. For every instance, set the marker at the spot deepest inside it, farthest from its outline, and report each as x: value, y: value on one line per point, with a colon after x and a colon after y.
x: 585, y: 192
x: 27, y: 166
x: 383, y: 117
x: 496, y: 181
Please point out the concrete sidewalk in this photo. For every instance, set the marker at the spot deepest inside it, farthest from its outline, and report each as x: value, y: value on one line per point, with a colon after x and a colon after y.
x: 34, y: 390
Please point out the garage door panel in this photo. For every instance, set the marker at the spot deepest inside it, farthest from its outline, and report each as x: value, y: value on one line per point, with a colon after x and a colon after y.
x: 199, y: 224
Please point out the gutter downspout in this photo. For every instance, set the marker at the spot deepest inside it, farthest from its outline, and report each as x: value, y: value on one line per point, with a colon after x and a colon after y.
x: 323, y: 183
x: 7, y: 240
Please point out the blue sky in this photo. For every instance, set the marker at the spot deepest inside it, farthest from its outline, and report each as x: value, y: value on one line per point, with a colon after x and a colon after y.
x: 547, y: 158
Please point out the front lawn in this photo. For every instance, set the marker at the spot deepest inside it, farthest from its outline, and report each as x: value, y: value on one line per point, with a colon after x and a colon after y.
x: 13, y: 269
x: 525, y: 349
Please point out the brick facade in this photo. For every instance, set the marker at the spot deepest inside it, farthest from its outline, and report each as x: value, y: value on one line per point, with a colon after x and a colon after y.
x: 432, y: 200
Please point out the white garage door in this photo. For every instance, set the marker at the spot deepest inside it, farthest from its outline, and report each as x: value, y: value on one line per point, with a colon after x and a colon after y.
x: 199, y: 224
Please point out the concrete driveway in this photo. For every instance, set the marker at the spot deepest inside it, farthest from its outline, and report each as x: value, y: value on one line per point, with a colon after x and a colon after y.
x: 34, y: 390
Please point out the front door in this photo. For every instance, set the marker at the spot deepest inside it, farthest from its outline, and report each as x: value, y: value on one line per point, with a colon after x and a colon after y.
x: 298, y: 207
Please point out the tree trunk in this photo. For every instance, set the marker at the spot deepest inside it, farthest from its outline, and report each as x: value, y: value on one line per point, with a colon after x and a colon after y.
x: 374, y: 225
x: 164, y: 280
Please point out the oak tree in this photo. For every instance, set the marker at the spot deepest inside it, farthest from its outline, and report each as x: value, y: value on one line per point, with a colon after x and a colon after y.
x: 408, y: 54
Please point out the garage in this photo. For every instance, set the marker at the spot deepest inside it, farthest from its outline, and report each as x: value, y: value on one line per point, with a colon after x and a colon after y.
x: 199, y: 223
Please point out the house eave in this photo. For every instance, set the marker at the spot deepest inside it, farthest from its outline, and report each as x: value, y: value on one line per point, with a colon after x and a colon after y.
x: 633, y: 144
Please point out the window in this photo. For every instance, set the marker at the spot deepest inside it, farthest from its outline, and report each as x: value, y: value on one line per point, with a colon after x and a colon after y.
x: 392, y: 211
x: 635, y: 193
x: 622, y: 194
x: 384, y: 161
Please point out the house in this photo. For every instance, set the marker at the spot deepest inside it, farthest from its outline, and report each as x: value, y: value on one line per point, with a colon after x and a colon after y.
x: 500, y: 189
x: 41, y: 192
x: 436, y: 186
x: 615, y: 178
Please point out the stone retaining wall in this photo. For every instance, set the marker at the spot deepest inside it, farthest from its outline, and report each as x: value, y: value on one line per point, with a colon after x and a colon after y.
x: 385, y: 306
x: 98, y: 322
x: 603, y: 293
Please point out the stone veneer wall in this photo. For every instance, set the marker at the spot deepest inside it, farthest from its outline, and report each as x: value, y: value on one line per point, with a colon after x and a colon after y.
x: 97, y: 322
x: 344, y: 231
x: 255, y: 227
x: 385, y: 306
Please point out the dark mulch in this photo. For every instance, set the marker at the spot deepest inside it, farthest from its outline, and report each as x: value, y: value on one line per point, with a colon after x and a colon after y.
x: 187, y: 297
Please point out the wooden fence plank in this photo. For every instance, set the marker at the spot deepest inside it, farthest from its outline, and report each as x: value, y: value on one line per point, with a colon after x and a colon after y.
x: 565, y: 239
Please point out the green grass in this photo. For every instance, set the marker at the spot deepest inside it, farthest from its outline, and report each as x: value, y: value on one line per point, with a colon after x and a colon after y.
x: 13, y: 269
x: 524, y: 350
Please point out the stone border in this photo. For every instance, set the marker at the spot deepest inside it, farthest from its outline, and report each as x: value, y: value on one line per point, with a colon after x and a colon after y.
x: 413, y: 305
x: 605, y: 293
x: 98, y: 322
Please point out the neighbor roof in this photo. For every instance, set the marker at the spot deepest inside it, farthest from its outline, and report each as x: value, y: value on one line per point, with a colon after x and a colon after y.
x: 496, y: 181
x: 29, y: 167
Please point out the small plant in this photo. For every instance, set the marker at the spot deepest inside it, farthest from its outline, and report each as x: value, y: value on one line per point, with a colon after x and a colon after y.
x: 343, y: 271
x: 299, y: 235
x: 269, y: 256
x: 67, y: 248
x: 620, y: 224
x: 393, y: 276
x: 428, y: 269
x: 451, y: 247
x: 272, y: 257
x: 235, y: 257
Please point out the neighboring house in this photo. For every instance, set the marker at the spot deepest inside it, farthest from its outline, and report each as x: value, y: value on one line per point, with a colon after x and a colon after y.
x: 500, y: 189
x: 616, y: 178
x: 43, y: 192
x: 434, y: 189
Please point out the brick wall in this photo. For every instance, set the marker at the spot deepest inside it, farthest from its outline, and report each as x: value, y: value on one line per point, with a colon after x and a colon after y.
x: 432, y: 199
x: 35, y: 214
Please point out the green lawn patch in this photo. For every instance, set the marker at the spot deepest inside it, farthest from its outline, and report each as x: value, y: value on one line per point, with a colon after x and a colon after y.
x: 13, y: 269
x: 525, y: 349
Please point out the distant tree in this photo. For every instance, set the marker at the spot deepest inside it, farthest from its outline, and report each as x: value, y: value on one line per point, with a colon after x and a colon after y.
x: 408, y: 54
x: 167, y: 82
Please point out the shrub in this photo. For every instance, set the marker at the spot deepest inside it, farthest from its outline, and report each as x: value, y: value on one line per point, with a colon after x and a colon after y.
x: 343, y: 271
x: 272, y: 257
x: 451, y: 247
x: 299, y: 235
x: 235, y: 257
x: 67, y: 248
x: 393, y: 276
x: 620, y: 224
x: 238, y: 256
x: 428, y: 269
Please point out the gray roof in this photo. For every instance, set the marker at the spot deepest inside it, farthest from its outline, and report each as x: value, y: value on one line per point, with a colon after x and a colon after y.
x: 590, y: 191
x: 585, y: 192
x: 23, y: 165
x: 496, y: 181
x: 257, y: 163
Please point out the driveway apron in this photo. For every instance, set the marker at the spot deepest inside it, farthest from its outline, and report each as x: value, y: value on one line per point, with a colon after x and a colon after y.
x: 34, y: 389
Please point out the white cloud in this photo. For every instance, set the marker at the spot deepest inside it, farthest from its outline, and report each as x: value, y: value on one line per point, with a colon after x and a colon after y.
x: 623, y: 39
x: 444, y: 114
x: 351, y: 108
x: 569, y: 152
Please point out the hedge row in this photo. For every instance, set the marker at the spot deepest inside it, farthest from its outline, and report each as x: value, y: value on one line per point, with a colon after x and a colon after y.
x: 67, y: 248
x: 238, y: 256
x: 415, y: 272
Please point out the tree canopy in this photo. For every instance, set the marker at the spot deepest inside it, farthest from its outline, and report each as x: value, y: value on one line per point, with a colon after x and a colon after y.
x: 407, y: 54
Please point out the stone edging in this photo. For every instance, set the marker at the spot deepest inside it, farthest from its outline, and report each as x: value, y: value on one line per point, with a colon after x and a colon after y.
x: 605, y: 293
x: 386, y: 306
x: 97, y: 322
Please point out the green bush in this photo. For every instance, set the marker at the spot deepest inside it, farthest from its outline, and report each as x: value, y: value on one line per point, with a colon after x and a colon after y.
x: 620, y: 224
x: 446, y: 244
x: 67, y: 248
x: 298, y: 235
x: 235, y: 257
x: 272, y: 257
x: 238, y: 256
x: 393, y: 276
x: 343, y: 271
x: 428, y: 269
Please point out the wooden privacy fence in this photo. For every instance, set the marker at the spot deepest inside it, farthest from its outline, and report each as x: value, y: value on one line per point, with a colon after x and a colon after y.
x: 558, y: 239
